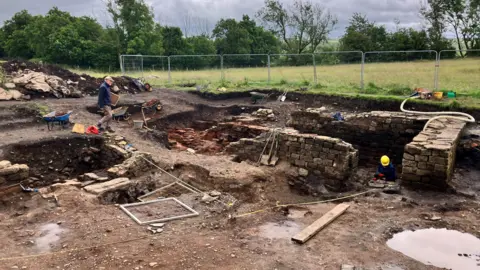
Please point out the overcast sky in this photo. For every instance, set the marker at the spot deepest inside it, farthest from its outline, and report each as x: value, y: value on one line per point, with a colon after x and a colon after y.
x: 173, y: 12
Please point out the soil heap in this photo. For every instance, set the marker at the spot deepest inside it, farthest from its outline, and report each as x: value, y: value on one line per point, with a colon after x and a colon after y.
x: 38, y: 80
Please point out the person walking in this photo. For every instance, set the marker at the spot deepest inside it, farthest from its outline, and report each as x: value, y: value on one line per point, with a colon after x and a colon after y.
x: 105, y: 104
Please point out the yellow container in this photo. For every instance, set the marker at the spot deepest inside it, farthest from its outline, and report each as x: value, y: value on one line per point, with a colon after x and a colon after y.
x: 437, y: 95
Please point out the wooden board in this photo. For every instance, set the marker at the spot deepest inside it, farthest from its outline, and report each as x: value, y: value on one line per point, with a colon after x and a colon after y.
x: 78, y: 128
x: 114, y: 99
x: 320, y: 223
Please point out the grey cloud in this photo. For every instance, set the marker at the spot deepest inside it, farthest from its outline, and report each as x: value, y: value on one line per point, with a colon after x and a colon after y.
x: 174, y: 12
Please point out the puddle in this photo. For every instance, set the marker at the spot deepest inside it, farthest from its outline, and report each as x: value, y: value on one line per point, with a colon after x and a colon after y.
x: 49, y: 235
x: 298, y: 212
x: 439, y: 247
x: 284, y: 230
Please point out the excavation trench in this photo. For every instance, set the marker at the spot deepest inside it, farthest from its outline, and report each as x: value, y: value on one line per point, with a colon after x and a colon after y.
x: 54, y: 160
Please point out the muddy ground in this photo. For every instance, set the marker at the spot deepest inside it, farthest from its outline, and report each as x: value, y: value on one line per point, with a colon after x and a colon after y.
x: 76, y: 231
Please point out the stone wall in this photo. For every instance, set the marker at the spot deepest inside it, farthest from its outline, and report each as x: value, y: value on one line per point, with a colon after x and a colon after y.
x: 374, y: 133
x: 430, y: 158
x: 331, y: 159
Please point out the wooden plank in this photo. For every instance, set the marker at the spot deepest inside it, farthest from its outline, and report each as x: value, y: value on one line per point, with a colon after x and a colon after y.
x: 320, y: 223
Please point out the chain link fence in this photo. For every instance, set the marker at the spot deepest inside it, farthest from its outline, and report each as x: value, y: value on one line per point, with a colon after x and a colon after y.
x: 389, y: 72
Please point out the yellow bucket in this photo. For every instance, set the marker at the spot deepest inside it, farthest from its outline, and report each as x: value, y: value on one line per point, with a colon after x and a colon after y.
x: 438, y: 95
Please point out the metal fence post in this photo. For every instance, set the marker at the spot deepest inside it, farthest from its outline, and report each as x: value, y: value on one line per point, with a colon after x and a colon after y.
x: 169, y: 71
x: 437, y: 70
x: 314, y: 69
x: 221, y: 68
x: 268, y: 57
x: 122, y: 69
x: 141, y: 57
x: 362, y: 72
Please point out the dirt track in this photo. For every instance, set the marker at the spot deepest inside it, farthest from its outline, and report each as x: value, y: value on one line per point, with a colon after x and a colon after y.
x: 212, y: 240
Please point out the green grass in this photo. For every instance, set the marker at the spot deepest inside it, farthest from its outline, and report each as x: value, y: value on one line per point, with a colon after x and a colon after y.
x: 396, y: 79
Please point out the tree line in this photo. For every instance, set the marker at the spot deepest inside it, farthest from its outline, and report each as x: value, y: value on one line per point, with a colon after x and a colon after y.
x: 277, y: 28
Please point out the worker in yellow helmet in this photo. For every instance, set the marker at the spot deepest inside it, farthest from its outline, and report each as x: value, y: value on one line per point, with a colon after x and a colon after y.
x: 386, y: 170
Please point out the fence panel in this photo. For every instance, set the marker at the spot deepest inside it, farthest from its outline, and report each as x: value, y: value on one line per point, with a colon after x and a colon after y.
x: 397, y: 72
x: 338, y: 69
x: 132, y: 65
x: 295, y: 69
x: 245, y: 69
x: 155, y: 69
x: 193, y: 70
x: 459, y: 70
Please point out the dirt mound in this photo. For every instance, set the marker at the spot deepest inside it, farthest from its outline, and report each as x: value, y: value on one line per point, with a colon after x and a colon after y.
x: 83, y: 83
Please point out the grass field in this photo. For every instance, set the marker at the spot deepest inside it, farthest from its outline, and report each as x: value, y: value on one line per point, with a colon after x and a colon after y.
x: 381, y: 79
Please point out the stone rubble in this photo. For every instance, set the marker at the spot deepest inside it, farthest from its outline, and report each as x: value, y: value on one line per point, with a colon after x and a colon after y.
x: 266, y: 114
x: 136, y: 165
x: 45, y: 84
x: 12, y: 172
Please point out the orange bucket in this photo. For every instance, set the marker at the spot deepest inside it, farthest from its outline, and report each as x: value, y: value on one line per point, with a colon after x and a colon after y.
x: 438, y: 95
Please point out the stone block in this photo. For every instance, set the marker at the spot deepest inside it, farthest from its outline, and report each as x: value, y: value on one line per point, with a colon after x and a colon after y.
x: 410, y: 163
x: 413, y: 149
x: 327, y: 145
x: 410, y: 170
x: 440, y: 168
x: 438, y: 160
x: 443, y: 154
x: 421, y: 172
x: 299, y: 163
x: 14, y: 169
x: 422, y: 165
x: 295, y: 156
x: 4, y: 164
x: 115, y: 184
x: 302, y: 172
x: 407, y: 156
x: 421, y: 158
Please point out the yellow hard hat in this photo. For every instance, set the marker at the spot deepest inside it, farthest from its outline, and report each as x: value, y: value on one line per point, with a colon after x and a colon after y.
x: 385, y: 160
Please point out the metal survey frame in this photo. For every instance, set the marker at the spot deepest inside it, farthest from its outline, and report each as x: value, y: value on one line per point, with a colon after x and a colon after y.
x: 125, y: 206
x: 164, y: 187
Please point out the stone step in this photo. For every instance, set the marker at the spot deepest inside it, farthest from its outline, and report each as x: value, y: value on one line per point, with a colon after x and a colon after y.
x: 115, y: 184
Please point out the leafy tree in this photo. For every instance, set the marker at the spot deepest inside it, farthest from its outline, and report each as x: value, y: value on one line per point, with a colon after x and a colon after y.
x: 173, y: 41
x: 244, y: 37
x: 303, y: 28
x: 231, y: 38
x: 363, y: 35
x: 462, y: 17
x: 133, y: 20
x: 13, y: 37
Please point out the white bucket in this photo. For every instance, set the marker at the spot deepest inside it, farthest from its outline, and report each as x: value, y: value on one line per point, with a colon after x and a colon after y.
x: 138, y: 124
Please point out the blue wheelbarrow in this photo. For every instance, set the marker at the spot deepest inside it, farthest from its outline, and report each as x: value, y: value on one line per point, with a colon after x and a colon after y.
x: 62, y: 119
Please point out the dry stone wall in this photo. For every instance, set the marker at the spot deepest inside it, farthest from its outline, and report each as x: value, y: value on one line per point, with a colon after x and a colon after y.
x: 373, y: 133
x: 430, y: 158
x: 331, y: 159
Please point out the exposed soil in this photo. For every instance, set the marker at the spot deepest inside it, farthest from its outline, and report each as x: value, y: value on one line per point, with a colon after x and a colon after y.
x: 220, y: 237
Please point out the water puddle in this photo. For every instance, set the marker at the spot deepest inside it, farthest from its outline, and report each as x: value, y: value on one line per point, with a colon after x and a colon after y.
x: 439, y: 247
x: 298, y: 212
x: 284, y: 230
x: 49, y: 235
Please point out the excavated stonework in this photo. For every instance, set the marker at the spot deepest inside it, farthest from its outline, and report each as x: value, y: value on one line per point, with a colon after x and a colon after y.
x: 329, y: 160
x: 374, y: 133
x: 430, y: 158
